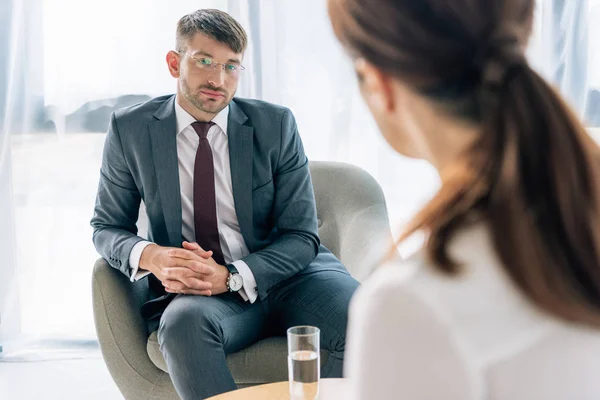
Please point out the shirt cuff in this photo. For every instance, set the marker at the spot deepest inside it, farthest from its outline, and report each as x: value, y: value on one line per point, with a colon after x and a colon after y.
x: 248, y: 291
x: 134, y: 261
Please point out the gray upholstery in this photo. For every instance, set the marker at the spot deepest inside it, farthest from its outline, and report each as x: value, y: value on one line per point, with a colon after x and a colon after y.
x: 242, y: 364
x: 353, y: 224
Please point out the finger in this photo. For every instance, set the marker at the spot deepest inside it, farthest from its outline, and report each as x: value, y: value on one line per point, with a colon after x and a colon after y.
x: 191, y: 246
x: 198, y: 292
x: 190, y: 291
x: 183, y: 254
x: 200, y: 268
x: 186, y: 283
x: 204, y: 254
x: 177, y: 273
x: 184, y: 268
x: 195, y: 247
x: 173, y: 285
x: 188, y: 269
x: 192, y: 283
x: 197, y: 284
x: 193, y: 292
x: 200, y: 272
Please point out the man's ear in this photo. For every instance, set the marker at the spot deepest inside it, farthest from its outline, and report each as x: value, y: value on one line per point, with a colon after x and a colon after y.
x: 375, y: 84
x: 173, y: 62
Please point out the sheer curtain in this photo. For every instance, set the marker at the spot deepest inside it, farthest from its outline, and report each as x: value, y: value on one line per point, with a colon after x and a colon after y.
x: 297, y: 62
x: 65, y: 65
x: 561, y: 51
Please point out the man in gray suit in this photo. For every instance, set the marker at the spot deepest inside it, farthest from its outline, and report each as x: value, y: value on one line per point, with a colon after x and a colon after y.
x: 233, y: 253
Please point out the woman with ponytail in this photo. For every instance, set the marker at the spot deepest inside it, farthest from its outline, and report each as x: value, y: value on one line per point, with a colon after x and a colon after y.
x: 503, y: 301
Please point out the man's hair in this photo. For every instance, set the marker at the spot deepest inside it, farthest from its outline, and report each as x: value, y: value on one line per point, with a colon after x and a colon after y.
x: 215, y: 24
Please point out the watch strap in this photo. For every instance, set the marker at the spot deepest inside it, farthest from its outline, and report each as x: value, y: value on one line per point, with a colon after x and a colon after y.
x: 232, y: 269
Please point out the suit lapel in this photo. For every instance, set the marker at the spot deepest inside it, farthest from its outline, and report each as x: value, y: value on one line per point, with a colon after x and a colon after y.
x: 240, y: 155
x: 163, y: 134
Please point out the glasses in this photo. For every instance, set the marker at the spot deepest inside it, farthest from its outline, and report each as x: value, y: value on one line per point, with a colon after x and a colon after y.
x: 208, y: 64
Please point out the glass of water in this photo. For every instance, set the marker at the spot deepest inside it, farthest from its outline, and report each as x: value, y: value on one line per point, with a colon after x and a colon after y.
x: 304, y: 362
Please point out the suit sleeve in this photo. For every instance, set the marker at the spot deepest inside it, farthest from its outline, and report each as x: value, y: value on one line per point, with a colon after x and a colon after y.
x: 294, y: 216
x: 117, y: 205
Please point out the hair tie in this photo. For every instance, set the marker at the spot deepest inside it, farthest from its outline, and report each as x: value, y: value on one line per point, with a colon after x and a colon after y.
x: 498, y: 61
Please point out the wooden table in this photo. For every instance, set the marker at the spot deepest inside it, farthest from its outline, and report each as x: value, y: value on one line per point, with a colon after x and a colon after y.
x: 329, y: 389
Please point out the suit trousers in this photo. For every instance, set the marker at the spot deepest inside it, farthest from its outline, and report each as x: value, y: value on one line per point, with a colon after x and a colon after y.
x: 196, y: 332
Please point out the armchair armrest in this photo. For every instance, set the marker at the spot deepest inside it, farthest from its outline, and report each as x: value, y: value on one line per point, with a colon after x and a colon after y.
x: 122, y: 332
x: 353, y: 217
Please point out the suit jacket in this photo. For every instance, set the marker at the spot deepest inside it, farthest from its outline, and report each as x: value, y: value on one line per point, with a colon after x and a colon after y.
x: 272, y: 190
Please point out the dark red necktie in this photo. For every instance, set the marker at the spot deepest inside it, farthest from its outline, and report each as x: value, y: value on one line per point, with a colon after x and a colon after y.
x: 205, y: 206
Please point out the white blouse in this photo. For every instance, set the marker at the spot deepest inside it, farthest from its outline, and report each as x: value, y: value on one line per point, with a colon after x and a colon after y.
x: 417, y: 334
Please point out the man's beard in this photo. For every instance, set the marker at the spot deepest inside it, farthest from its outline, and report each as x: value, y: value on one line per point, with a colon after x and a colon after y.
x: 207, y: 106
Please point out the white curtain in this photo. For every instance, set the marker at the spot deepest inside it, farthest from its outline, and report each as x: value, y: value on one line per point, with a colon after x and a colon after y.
x: 297, y: 61
x: 66, y: 64
x: 562, y: 50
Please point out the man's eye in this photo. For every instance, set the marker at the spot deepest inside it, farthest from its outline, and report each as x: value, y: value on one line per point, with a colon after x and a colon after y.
x: 205, y: 61
x: 231, y: 67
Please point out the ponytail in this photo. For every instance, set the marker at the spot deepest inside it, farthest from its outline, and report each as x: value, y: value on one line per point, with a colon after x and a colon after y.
x: 533, y: 178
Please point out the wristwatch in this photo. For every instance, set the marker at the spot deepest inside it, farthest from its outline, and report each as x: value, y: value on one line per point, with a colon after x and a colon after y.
x: 235, y: 281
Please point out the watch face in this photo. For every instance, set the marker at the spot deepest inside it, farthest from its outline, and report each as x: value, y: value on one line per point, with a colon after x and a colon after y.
x: 235, y: 282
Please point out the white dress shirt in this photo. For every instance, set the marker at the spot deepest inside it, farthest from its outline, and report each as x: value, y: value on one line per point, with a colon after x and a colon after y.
x: 415, y: 333
x: 230, y: 237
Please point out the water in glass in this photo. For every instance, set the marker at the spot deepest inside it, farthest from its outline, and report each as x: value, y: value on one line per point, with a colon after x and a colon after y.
x: 304, y: 371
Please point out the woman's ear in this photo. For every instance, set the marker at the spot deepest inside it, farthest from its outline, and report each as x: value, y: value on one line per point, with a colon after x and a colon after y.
x: 376, y: 86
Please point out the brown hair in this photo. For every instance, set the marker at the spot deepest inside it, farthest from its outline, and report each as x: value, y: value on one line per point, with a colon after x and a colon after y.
x: 533, y: 173
x: 216, y: 24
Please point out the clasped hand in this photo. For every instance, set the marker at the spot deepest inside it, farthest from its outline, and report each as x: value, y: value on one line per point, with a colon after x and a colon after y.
x: 190, y: 270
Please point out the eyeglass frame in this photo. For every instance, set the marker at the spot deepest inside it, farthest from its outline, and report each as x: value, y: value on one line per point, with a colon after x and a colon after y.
x: 239, y: 67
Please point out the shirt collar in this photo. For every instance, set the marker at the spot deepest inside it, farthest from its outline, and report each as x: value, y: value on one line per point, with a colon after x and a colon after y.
x: 184, y: 119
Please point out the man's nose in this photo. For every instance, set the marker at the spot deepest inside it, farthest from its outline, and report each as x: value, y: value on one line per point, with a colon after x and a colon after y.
x: 216, y: 77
